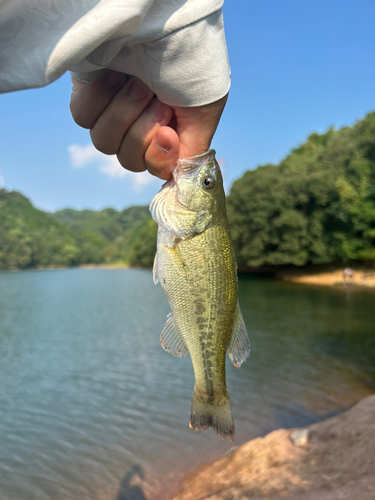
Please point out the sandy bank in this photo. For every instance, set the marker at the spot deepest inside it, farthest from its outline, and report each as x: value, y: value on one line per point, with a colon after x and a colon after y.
x: 360, y: 277
x: 119, y: 265
x: 330, y: 460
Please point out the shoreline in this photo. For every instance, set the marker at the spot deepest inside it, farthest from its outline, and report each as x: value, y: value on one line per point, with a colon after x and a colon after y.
x: 356, y: 276
x: 333, y: 276
x: 116, y: 265
x: 328, y: 460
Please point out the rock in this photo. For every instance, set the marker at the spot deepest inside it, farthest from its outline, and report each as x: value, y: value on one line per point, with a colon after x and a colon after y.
x: 231, y: 450
x: 300, y: 437
x: 336, y: 460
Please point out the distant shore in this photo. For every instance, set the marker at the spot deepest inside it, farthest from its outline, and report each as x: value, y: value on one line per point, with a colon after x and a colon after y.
x: 358, y: 276
x: 116, y: 265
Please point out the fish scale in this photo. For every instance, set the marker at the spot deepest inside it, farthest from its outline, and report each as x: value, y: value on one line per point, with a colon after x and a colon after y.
x: 196, y: 267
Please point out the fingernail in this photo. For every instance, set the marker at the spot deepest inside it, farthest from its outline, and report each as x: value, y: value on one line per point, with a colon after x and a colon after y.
x: 114, y: 79
x: 139, y: 91
x: 162, y: 143
x: 158, y: 111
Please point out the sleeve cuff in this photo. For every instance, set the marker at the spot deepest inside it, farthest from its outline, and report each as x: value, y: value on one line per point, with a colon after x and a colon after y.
x: 188, y: 67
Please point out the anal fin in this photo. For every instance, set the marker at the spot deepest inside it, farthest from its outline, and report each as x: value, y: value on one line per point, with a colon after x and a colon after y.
x: 171, y: 339
x: 239, y: 347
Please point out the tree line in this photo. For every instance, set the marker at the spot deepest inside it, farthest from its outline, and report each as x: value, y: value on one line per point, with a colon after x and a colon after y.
x: 31, y: 238
x: 317, y: 206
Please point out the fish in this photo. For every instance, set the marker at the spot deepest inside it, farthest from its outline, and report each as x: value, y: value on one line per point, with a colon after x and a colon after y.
x: 196, y: 267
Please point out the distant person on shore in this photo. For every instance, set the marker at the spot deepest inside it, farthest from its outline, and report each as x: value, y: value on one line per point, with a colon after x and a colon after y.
x: 174, y: 50
x: 347, y: 275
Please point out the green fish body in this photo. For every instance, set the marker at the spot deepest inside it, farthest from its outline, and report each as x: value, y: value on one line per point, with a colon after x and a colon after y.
x: 196, y: 267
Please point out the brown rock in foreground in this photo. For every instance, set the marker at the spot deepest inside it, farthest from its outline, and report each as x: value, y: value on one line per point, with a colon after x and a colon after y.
x: 337, y: 462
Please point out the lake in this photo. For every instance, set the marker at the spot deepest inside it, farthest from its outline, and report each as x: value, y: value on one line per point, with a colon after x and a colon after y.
x: 92, y: 408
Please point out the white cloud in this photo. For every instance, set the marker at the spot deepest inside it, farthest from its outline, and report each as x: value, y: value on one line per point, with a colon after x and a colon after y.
x: 83, y: 156
x: 142, y: 180
x: 80, y: 156
x: 109, y: 165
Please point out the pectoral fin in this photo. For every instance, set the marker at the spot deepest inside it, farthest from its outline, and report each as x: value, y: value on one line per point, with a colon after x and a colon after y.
x: 239, y: 347
x: 155, y: 274
x: 171, y: 339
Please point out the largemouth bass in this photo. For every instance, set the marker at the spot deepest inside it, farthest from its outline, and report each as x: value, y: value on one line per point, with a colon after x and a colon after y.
x: 196, y: 267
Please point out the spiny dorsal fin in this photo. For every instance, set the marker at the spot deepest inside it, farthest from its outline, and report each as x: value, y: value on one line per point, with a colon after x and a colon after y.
x: 171, y: 339
x: 239, y: 347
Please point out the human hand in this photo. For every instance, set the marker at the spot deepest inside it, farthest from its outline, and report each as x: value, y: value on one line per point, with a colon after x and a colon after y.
x: 125, y: 118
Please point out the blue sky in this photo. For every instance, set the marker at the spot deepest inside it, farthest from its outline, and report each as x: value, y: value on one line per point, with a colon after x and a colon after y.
x: 297, y: 67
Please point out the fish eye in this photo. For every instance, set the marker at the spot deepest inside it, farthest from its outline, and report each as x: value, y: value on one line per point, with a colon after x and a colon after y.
x: 208, y: 182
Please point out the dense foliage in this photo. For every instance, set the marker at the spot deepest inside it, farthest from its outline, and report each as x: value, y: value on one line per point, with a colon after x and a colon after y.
x: 316, y: 206
x: 31, y: 238
x: 109, y: 236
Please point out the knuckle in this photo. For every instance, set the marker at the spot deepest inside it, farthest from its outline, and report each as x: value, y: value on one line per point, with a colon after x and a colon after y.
x: 107, y: 149
x: 130, y: 163
x: 137, y: 139
x: 80, y: 117
x: 102, y: 145
x: 114, y: 114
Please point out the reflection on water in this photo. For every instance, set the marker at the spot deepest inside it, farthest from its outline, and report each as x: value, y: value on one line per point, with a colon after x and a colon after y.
x: 92, y: 408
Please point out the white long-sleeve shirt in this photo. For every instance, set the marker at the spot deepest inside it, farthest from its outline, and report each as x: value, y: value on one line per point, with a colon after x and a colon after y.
x: 176, y: 47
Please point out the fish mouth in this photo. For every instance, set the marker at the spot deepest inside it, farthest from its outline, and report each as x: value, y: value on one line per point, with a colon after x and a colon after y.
x: 192, y: 163
x: 189, y: 166
x: 186, y: 167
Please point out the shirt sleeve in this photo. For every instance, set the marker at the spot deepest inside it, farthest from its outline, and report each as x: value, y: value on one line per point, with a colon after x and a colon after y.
x: 186, y: 68
x: 176, y: 47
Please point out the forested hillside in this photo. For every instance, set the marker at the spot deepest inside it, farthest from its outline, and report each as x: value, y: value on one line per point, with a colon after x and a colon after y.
x: 109, y: 236
x: 30, y: 237
x: 317, y: 206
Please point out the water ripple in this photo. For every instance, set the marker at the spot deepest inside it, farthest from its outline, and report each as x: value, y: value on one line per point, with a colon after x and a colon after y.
x: 89, y: 401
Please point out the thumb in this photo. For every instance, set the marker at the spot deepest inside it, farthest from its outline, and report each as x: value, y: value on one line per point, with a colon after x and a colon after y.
x: 196, y: 127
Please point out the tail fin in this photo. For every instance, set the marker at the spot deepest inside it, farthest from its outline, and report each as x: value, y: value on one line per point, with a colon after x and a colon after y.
x: 212, y: 413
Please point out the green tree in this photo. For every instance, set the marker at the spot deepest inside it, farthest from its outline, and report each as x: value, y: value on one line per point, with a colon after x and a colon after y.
x: 143, y: 248
x: 317, y: 206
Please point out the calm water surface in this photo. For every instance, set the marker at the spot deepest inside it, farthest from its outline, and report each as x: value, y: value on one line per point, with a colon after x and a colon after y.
x: 91, y: 407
